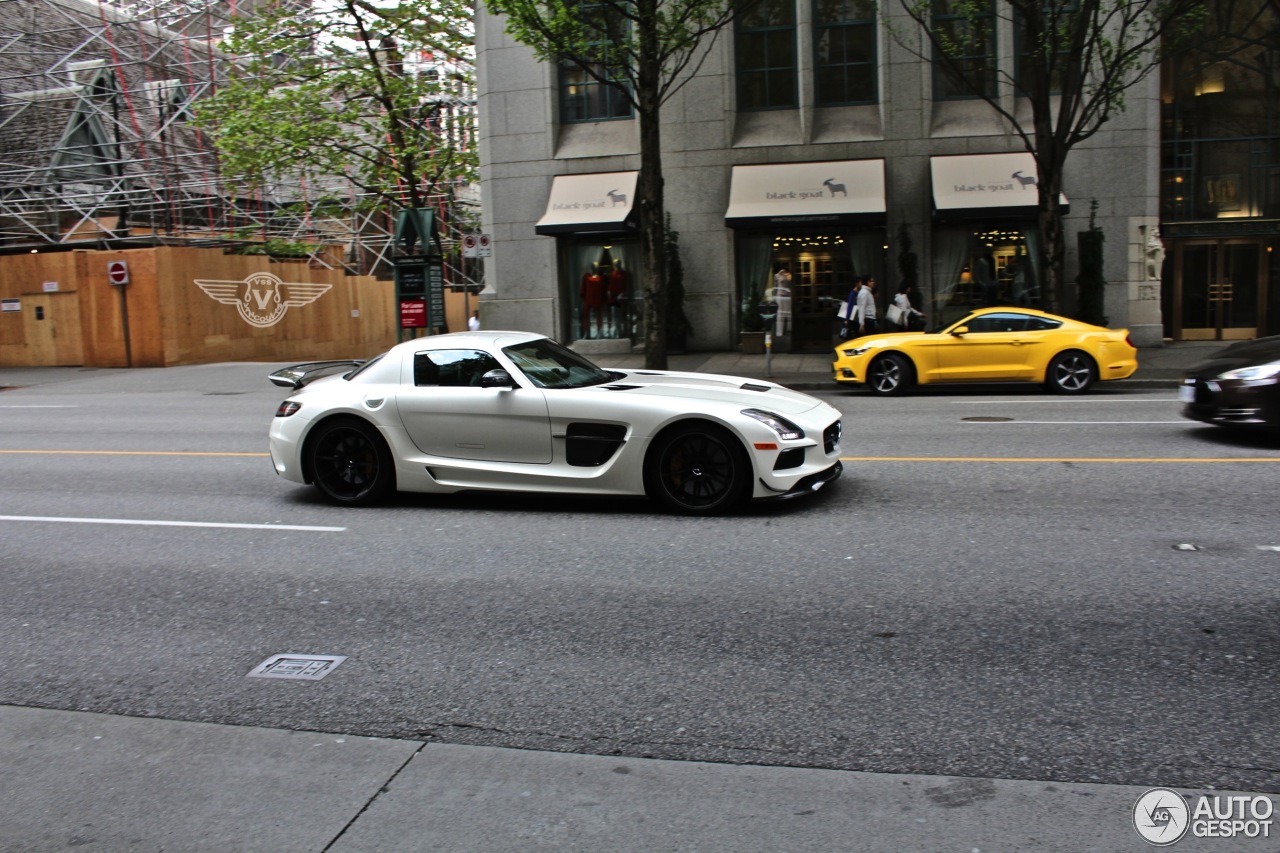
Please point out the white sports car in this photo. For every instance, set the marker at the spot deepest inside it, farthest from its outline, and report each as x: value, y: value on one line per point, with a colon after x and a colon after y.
x: 513, y: 411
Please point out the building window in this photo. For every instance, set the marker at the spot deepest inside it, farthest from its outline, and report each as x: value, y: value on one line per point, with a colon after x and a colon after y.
x: 966, y: 31
x: 1053, y: 31
x: 844, y: 52
x: 602, y: 93
x: 765, y: 47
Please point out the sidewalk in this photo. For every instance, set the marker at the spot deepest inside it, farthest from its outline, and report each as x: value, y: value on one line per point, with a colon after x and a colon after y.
x: 108, y: 783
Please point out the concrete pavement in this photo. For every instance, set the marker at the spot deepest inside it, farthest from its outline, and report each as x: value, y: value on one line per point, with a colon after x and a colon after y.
x: 106, y: 783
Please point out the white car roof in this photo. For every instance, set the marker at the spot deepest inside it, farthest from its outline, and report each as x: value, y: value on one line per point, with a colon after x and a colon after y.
x: 479, y: 340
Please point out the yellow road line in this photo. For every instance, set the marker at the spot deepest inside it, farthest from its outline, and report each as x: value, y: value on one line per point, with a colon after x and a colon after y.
x: 135, y: 452
x: 1115, y: 459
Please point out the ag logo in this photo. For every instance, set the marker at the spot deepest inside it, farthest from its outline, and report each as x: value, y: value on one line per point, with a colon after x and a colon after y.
x: 262, y: 298
x: 1161, y: 817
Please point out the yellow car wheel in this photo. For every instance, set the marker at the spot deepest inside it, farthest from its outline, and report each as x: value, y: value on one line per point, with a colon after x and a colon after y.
x: 890, y: 374
x: 1071, y: 372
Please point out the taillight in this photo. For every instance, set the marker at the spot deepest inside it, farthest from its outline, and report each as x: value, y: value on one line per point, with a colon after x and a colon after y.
x: 288, y: 407
x: 1129, y: 342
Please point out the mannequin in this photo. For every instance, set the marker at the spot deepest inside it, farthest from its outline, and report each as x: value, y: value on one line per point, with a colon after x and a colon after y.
x: 594, y: 298
x: 617, y: 292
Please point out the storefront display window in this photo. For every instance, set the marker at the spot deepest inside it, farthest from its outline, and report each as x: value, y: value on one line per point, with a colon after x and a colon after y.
x: 808, y: 274
x: 977, y: 265
x: 602, y: 281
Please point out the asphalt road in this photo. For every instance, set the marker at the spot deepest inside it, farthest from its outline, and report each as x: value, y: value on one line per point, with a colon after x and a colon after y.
x: 1004, y: 584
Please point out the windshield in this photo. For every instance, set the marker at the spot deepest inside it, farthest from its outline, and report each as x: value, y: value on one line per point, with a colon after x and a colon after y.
x: 547, y: 364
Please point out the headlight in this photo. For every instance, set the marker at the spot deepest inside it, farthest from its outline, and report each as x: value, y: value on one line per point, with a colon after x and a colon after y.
x: 1257, y: 371
x: 855, y: 351
x: 783, y: 427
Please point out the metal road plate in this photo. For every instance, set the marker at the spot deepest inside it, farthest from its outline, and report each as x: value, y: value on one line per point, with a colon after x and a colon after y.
x: 305, y: 667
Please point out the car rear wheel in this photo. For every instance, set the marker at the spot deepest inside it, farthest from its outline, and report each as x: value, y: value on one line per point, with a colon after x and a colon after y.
x: 698, y: 469
x: 889, y: 374
x: 1071, y: 372
x: 350, y: 463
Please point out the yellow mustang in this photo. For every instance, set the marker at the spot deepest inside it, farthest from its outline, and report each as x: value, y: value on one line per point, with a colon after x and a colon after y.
x: 991, y: 345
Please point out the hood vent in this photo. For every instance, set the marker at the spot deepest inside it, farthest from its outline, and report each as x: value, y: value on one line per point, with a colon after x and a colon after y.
x: 750, y: 386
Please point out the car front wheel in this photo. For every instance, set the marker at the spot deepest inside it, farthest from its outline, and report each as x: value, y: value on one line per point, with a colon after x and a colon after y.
x: 889, y: 375
x: 698, y: 469
x: 1071, y: 372
x: 350, y: 463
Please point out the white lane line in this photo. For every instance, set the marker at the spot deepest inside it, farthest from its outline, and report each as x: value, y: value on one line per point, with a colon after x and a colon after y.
x: 1073, y: 423
x: 155, y: 523
x: 1037, y: 402
x: 39, y: 407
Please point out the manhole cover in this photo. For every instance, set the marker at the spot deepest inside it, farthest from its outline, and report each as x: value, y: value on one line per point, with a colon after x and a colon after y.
x: 986, y: 419
x: 306, y: 667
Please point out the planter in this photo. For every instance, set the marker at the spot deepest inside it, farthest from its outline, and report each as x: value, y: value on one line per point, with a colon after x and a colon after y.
x: 752, y: 343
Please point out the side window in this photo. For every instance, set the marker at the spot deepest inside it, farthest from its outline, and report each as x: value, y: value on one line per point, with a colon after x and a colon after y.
x: 452, y: 368
x: 1041, y: 324
x: 999, y: 323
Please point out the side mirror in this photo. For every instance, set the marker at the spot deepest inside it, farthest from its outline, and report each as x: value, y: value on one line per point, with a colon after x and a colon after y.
x: 960, y: 331
x: 497, y: 379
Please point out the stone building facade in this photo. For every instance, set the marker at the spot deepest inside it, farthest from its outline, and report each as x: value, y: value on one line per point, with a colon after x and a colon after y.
x: 808, y: 190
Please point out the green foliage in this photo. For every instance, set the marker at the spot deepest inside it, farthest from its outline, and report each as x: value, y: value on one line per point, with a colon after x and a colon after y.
x: 276, y: 248
x: 347, y: 89
x: 1091, y: 284
x: 614, y: 39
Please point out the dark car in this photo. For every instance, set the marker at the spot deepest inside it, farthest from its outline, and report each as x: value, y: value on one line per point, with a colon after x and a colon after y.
x: 1238, y: 386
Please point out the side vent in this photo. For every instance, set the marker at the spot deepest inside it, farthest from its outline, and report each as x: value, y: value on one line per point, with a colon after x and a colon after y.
x: 591, y: 445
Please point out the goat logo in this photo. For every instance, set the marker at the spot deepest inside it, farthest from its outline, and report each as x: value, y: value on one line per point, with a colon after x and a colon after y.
x: 1024, y: 180
x: 830, y: 183
x: 616, y: 197
x: 262, y: 298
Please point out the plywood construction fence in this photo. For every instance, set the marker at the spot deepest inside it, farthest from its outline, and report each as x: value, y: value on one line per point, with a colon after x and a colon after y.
x: 166, y: 306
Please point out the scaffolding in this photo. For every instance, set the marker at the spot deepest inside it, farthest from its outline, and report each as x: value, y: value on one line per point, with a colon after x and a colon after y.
x: 99, y: 148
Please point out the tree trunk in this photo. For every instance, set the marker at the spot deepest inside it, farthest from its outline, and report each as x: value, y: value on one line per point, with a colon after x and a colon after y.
x: 650, y: 191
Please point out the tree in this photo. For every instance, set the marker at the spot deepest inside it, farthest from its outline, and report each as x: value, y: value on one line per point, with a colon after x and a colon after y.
x: 647, y: 50
x: 376, y: 93
x: 1075, y: 60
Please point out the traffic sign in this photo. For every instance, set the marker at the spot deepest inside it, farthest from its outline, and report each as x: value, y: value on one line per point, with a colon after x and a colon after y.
x: 477, y: 246
x: 117, y: 272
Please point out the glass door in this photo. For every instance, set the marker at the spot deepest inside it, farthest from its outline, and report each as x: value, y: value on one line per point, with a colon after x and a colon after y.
x: 1219, y: 288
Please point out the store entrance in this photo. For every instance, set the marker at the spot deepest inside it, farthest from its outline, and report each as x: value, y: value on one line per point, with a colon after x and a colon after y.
x: 821, y: 276
x: 1220, y: 288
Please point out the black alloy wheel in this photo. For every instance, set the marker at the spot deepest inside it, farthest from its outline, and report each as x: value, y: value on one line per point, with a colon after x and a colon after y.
x: 350, y: 463
x: 1071, y: 372
x: 889, y: 375
x: 698, y: 469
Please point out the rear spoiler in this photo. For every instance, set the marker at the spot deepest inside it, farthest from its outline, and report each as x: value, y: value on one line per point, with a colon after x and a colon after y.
x: 300, y: 374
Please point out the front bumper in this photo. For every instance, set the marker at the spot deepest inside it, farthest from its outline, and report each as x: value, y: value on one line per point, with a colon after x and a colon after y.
x: 1231, y: 402
x: 810, y: 484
